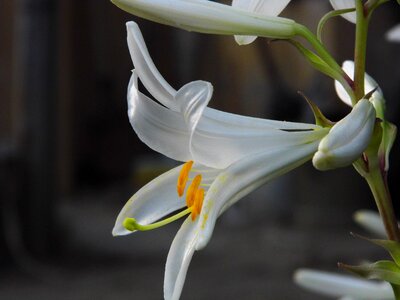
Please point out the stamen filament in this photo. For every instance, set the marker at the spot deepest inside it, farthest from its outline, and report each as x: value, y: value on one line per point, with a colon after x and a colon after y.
x: 131, y: 224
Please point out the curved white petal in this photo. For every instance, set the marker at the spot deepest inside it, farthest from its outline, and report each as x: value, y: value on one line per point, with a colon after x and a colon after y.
x: 216, y: 140
x: 344, y: 4
x: 370, y: 84
x: 262, y: 7
x: 162, y: 91
x: 146, y: 70
x: 245, y: 176
x: 393, y: 34
x: 153, y: 201
x: 179, y: 257
x: 371, y: 221
x: 332, y: 284
x: 192, y: 130
x: 163, y: 130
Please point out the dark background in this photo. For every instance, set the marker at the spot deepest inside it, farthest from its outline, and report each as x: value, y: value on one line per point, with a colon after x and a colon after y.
x: 69, y: 159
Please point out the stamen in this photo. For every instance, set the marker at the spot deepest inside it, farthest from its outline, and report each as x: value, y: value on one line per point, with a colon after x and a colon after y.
x: 183, y: 177
x: 191, y: 192
x: 131, y: 224
x: 198, y: 203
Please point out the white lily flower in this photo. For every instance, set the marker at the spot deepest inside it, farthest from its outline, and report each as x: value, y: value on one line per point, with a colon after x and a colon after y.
x: 345, y: 4
x: 370, y: 84
x: 262, y: 7
x: 208, y: 17
x: 233, y: 156
x: 393, y: 34
x: 344, y: 286
x: 347, y: 139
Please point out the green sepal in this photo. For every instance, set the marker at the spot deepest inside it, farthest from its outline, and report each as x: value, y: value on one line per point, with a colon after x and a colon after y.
x: 389, y: 132
x: 385, y: 270
x: 316, y: 61
x: 320, y: 119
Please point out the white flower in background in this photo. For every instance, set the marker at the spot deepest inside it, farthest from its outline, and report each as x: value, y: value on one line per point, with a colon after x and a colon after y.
x: 266, y: 8
x: 393, y: 34
x: 370, y: 84
x: 371, y: 221
x: 208, y: 17
x: 232, y: 154
x: 343, y: 286
x: 347, y: 139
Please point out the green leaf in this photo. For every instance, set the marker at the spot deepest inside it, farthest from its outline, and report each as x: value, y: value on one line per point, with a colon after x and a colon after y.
x: 316, y: 61
x: 383, y: 270
x: 392, y: 247
x: 389, y: 135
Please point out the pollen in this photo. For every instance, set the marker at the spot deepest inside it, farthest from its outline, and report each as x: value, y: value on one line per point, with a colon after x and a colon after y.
x: 183, y: 177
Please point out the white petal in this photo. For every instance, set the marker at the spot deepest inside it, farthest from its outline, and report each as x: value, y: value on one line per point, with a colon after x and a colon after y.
x: 243, y: 177
x: 209, y: 17
x: 153, y: 201
x: 331, y: 284
x: 371, y: 221
x: 218, y: 146
x: 193, y: 98
x: 393, y: 34
x: 218, y: 140
x: 347, y: 139
x: 224, y: 120
x: 146, y: 70
x: 221, y: 149
x: 262, y: 7
x: 370, y: 84
x: 179, y: 257
x: 344, y: 4
x: 164, y: 93
x: 163, y: 130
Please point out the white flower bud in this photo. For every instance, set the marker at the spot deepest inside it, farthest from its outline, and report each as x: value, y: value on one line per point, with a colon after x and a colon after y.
x: 347, y: 139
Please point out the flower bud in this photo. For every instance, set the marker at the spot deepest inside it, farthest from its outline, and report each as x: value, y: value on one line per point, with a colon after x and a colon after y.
x: 347, y: 139
x: 209, y: 17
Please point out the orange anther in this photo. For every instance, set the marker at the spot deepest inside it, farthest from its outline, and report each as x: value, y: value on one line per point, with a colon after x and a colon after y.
x: 183, y: 177
x: 198, y: 203
x: 192, y: 189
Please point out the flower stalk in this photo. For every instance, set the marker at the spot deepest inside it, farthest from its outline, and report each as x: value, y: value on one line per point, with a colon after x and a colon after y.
x: 360, y: 49
x: 377, y: 182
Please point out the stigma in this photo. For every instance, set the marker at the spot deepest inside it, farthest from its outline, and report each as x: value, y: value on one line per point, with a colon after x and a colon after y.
x: 194, y: 201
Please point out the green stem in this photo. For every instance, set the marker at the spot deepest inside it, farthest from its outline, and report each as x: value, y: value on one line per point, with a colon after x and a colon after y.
x: 360, y: 49
x: 304, y: 32
x: 378, y: 185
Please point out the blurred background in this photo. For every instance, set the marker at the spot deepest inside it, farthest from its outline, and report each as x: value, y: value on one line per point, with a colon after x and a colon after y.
x: 69, y: 159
